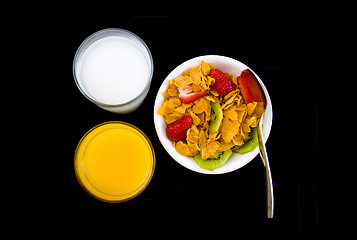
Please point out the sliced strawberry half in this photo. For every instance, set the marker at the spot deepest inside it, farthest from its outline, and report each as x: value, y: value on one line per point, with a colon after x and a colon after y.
x: 250, y: 89
x: 223, y: 84
x: 177, y: 130
x: 187, y: 95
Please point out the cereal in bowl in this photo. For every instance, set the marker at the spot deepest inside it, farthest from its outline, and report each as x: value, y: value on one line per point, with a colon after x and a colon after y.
x: 208, y: 115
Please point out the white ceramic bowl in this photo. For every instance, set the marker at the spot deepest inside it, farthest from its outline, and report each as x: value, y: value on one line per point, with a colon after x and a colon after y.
x: 225, y: 64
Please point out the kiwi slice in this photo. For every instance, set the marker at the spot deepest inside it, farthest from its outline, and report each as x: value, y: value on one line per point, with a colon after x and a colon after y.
x: 250, y: 142
x: 216, y: 117
x: 215, y: 161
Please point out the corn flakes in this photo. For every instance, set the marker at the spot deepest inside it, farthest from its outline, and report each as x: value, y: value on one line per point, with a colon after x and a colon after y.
x: 205, y: 68
x: 229, y: 129
x: 209, y: 149
x: 182, y: 81
x: 238, y: 117
x: 186, y: 149
x: 193, y: 135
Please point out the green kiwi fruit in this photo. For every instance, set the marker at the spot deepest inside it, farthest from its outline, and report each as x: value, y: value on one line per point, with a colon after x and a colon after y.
x: 215, y: 161
x: 216, y: 117
x: 250, y: 142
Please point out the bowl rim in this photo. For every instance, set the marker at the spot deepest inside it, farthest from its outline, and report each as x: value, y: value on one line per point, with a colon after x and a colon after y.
x: 225, y: 64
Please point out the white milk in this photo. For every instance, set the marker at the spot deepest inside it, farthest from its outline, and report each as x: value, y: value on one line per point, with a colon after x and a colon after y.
x: 113, y: 71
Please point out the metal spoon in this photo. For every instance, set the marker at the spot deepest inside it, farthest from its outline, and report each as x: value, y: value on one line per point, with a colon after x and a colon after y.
x: 269, y: 182
x: 264, y: 157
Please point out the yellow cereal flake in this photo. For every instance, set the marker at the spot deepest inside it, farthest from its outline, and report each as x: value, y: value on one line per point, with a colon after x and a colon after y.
x: 255, y: 120
x: 238, y: 139
x: 251, y: 107
x: 182, y: 81
x: 205, y: 68
x: 193, y: 135
x: 180, y: 110
x: 210, y: 81
x: 203, y: 84
x: 229, y: 129
x: 241, y: 115
x: 248, y: 121
x: 214, y: 136
x: 232, y: 98
x: 231, y: 94
x: 193, y: 147
x: 241, y: 107
x: 245, y: 128
x: 209, y: 149
x: 169, y: 105
x: 195, y: 74
x: 231, y: 113
x: 234, y: 79
x: 259, y: 109
x: 186, y: 149
x: 172, y: 117
x: 202, y: 140
x: 196, y: 88
x: 173, y: 92
x: 202, y: 105
x: 214, y: 92
x: 225, y: 146
x: 195, y: 119
x: 211, y: 98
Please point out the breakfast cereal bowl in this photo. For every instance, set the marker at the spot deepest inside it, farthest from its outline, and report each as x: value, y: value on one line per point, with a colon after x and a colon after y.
x: 236, y: 160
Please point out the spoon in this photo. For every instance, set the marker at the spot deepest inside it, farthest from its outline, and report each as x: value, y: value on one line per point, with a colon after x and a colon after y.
x: 256, y: 92
x: 269, y: 182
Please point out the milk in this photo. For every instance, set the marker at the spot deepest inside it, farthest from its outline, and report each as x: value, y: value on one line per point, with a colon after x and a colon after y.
x: 115, y: 72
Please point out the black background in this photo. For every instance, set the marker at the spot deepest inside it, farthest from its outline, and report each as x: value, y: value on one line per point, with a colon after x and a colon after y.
x: 282, y: 45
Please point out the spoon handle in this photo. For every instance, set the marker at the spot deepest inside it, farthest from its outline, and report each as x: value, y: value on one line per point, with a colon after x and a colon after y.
x: 269, y: 182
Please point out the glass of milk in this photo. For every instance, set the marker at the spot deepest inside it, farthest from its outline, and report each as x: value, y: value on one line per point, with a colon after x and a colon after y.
x: 113, y: 69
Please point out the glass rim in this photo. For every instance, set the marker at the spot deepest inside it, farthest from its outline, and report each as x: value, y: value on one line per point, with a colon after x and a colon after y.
x: 141, y: 188
x: 96, y: 34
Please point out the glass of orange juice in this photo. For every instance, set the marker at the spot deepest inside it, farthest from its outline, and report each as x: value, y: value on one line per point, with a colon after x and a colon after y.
x: 114, y: 161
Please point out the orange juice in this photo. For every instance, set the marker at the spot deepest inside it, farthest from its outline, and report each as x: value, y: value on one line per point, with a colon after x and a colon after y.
x: 114, y: 161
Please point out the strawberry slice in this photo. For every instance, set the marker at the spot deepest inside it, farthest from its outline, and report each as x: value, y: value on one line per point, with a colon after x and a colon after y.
x: 250, y: 89
x: 187, y: 95
x: 177, y: 130
x: 223, y: 84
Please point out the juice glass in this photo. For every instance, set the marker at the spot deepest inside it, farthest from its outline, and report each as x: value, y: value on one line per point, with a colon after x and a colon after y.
x: 113, y: 69
x: 114, y: 161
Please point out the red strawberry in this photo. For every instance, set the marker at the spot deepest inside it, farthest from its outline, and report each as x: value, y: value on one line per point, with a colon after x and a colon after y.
x: 250, y: 89
x: 187, y: 95
x: 223, y: 84
x: 177, y: 130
